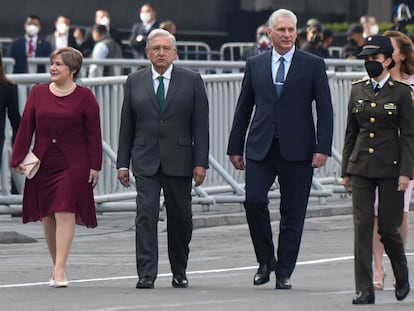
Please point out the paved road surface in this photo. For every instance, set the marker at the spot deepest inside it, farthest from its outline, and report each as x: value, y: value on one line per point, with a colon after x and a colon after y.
x: 221, y: 268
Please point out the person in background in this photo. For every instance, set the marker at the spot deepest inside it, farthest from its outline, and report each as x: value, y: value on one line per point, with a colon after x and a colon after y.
x: 105, y: 47
x: 369, y: 25
x: 301, y: 37
x: 403, y: 70
x: 263, y: 43
x: 28, y: 46
x: 140, y: 30
x: 87, y: 42
x: 378, y: 154
x: 400, y: 17
x: 64, y: 118
x: 314, y: 37
x: 283, y: 140
x: 8, y: 106
x: 355, y: 42
x: 326, y: 42
x: 169, y: 26
x: 62, y: 37
x: 164, y: 135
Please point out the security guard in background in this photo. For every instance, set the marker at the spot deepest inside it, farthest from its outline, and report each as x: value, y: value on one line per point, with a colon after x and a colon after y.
x: 378, y: 152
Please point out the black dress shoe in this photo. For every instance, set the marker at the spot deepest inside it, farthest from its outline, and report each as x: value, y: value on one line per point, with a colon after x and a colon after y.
x: 401, y: 290
x: 179, y: 280
x: 262, y: 275
x: 145, y: 282
x: 283, y: 283
x: 366, y: 298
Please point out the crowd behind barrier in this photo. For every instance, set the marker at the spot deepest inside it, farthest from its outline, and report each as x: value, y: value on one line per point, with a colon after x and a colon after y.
x: 223, y: 183
x: 125, y: 66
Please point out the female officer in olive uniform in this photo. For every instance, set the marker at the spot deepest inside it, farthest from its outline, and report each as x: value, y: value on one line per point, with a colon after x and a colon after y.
x: 378, y: 152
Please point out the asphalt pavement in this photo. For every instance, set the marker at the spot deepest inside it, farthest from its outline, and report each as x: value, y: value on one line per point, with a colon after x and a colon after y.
x: 102, y: 270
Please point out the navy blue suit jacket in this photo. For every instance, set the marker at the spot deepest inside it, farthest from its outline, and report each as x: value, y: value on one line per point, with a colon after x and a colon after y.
x: 290, y: 115
x: 18, y: 52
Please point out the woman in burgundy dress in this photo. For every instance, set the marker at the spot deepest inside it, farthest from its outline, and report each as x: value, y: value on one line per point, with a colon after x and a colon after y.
x: 65, y: 120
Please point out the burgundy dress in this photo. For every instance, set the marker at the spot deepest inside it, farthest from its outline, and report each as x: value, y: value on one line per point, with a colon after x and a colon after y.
x: 68, y: 143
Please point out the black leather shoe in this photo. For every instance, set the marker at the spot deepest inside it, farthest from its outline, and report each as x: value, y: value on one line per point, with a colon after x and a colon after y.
x: 262, y: 275
x: 401, y: 290
x: 145, y: 282
x: 283, y: 283
x: 179, y: 281
x: 366, y: 298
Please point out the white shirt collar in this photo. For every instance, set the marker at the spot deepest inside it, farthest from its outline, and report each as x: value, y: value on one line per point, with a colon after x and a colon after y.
x: 166, y: 74
x: 287, y: 56
x: 382, y: 82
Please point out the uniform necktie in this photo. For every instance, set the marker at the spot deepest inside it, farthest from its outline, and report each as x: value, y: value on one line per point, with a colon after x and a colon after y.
x: 30, y: 51
x: 377, y: 88
x: 280, y: 76
x: 160, y: 92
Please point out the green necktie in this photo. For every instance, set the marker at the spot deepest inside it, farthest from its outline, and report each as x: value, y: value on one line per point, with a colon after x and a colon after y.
x: 160, y: 92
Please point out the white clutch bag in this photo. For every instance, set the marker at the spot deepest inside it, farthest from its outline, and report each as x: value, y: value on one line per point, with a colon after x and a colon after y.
x: 32, y: 164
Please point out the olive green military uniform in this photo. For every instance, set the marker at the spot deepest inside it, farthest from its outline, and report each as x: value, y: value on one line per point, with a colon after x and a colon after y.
x: 378, y: 148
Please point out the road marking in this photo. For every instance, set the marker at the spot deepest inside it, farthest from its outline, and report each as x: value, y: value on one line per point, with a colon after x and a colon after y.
x: 162, y: 275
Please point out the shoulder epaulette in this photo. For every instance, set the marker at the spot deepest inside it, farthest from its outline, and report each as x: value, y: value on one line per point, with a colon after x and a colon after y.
x: 403, y: 82
x: 359, y: 81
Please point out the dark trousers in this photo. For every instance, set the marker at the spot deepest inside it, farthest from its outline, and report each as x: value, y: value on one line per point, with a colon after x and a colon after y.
x: 295, y: 179
x: 390, y: 214
x: 177, y: 194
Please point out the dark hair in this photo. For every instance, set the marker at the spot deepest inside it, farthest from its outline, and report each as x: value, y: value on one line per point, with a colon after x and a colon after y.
x: 33, y: 16
x: 100, y: 29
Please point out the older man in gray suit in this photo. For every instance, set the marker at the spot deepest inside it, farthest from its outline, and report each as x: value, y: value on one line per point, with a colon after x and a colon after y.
x: 165, y: 135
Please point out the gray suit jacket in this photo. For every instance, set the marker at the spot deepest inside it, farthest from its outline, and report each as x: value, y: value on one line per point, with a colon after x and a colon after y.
x: 177, y: 139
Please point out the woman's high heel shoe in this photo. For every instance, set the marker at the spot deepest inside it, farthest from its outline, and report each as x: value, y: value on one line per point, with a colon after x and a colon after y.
x: 379, y: 285
x: 60, y: 284
x: 51, y: 280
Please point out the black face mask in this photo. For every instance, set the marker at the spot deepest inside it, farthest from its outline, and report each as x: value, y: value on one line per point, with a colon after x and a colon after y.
x: 352, y: 42
x: 374, y: 68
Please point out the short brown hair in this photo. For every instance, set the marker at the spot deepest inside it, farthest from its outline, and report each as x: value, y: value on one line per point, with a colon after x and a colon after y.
x: 71, y: 57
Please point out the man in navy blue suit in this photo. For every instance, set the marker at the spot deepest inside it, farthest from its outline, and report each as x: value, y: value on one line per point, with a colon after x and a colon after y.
x: 28, y: 46
x: 280, y: 86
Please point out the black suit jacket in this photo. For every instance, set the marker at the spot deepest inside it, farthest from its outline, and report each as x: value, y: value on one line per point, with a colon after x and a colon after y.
x: 290, y: 115
x: 8, y: 102
x: 71, y: 40
x: 17, y: 51
x: 177, y: 139
x: 138, y: 47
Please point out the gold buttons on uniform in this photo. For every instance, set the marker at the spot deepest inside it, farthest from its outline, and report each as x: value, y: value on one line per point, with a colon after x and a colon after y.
x: 371, y: 150
x: 371, y: 135
x: 54, y: 141
x: 372, y: 120
x: 389, y: 113
x: 395, y: 162
x: 373, y: 105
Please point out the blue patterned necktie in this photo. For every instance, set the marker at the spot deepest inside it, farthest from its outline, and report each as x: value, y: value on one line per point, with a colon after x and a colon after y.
x: 280, y: 76
x: 160, y: 92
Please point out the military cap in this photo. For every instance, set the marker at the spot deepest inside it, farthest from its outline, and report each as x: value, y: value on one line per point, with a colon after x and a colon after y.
x: 377, y: 44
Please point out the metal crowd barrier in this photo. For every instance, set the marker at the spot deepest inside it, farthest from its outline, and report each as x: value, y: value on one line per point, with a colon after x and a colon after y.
x: 125, y: 65
x: 223, y: 183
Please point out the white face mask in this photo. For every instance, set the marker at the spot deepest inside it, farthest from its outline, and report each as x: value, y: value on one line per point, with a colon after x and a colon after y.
x: 62, y: 28
x: 32, y: 30
x: 145, y: 17
x: 105, y: 21
x: 373, y: 29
